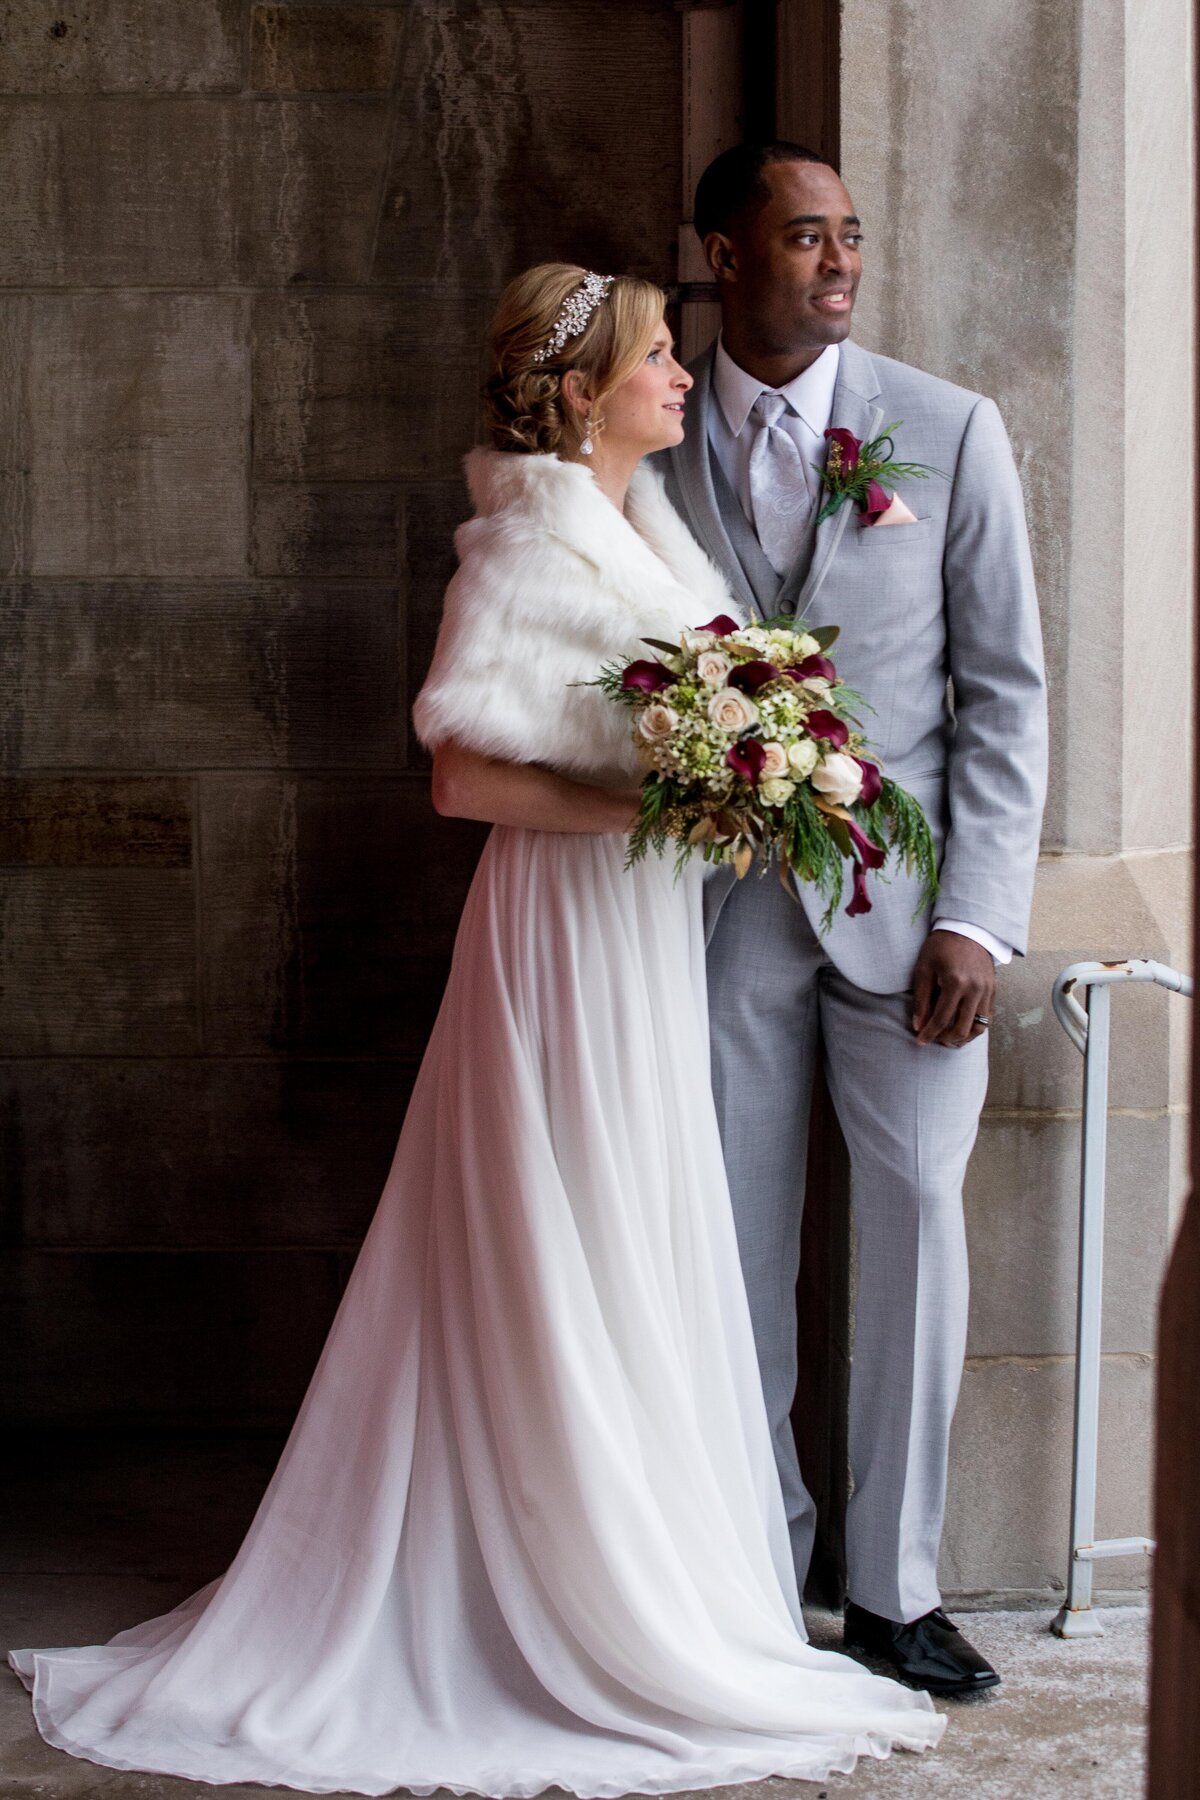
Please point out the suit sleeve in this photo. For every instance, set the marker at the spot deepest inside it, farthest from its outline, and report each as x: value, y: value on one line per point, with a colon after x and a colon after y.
x: 997, y: 764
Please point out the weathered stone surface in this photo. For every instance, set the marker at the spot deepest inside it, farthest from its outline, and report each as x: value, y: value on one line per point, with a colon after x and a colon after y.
x: 192, y: 1338
x: 203, y: 1151
x: 189, y: 192
x: 1008, y: 1510
x: 311, y: 172
x: 138, y: 455
x: 107, y: 46
x: 1105, y: 909
x: 365, y: 387
x: 432, y: 512
x: 348, y: 529
x: 508, y: 154
x: 118, y: 823
x: 1022, y: 1207
x: 324, y: 49
x: 226, y: 676
x: 330, y: 909
x: 98, y: 961
x: 15, y: 315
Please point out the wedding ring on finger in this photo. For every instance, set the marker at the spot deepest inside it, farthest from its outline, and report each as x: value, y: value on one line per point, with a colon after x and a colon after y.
x: 982, y: 1021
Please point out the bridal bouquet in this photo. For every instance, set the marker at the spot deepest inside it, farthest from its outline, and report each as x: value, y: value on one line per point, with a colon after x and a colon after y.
x: 756, y: 755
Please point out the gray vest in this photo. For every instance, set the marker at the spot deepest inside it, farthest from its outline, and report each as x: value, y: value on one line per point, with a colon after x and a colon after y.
x: 773, y: 594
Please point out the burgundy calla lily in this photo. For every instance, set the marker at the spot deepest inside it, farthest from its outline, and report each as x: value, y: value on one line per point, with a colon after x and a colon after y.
x: 748, y: 677
x: 827, y: 725
x: 747, y: 758
x: 721, y: 626
x: 849, y: 445
x: 876, y: 504
x: 812, y: 666
x: 866, y: 856
x: 872, y: 785
x: 647, y: 677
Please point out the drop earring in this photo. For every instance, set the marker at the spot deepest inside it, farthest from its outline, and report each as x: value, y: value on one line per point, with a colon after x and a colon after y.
x: 587, y: 446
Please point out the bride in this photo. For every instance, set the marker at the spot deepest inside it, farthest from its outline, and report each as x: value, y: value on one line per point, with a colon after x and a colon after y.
x: 527, y: 1530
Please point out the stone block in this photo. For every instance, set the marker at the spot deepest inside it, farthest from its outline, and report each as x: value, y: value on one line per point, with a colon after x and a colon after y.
x: 119, y: 823
x: 1022, y: 1208
x: 115, y: 46
x: 324, y: 49
x: 330, y: 909
x: 310, y: 174
x: 196, y: 1153
x: 97, y: 961
x: 507, y: 154
x: 190, y: 192
x: 348, y: 530
x: 1094, y: 909
x: 365, y: 387
x: 15, y: 312
x: 138, y: 435
x: 1008, y: 1509
x: 198, y: 1338
x: 432, y: 512
x: 218, y: 676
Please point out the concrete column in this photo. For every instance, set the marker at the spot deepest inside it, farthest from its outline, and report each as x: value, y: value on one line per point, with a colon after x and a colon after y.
x: 1024, y: 175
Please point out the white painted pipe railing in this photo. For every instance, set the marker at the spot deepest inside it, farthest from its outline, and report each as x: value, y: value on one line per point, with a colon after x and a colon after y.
x: 1087, y: 1026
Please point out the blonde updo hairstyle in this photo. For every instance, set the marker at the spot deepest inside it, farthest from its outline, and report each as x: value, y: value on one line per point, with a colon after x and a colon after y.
x: 526, y: 406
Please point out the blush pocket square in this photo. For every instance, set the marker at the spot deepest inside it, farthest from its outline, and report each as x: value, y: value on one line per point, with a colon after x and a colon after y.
x: 896, y: 514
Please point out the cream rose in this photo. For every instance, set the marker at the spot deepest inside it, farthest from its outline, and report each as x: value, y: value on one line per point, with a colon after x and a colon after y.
x: 775, y: 759
x: 839, y: 778
x: 775, y: 790
x: 732, y: 711
x: 712, y: 666
x: 807, y: 646
x: 802, y: 757
x: 658, y: 722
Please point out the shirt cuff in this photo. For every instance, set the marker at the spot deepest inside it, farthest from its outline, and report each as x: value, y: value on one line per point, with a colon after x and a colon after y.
x: 999, y: 951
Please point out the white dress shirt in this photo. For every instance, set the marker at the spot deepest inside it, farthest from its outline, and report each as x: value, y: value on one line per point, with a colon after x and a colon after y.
x: 731, y: 433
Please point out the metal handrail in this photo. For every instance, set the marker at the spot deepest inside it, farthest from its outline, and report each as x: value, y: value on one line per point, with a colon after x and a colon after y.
x: 1088, y: 1029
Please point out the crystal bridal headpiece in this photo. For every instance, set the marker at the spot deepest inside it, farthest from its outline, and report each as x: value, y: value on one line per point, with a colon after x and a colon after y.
x: 574, y: 314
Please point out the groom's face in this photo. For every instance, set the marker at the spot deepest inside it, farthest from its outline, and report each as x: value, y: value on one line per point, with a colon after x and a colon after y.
x: 789, y: 269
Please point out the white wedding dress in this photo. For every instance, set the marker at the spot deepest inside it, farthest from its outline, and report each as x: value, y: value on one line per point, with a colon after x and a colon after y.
x: 527, y: 1530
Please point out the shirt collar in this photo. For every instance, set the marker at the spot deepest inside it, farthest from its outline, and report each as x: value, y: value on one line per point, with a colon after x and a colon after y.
x: 810, y: 394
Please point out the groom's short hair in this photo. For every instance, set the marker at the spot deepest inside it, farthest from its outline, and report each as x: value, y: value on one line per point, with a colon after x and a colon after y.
x: 734, y: 180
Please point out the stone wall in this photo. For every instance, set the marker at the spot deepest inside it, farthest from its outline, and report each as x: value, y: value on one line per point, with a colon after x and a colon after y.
x: 1024, y: 178
x: 247, y: 254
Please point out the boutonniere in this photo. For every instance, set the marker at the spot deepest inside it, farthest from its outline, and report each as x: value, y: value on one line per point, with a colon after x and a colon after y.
x: 857, y: 471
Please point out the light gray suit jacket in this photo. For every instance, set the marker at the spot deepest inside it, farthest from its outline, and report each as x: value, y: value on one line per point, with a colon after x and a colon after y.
x: 939, y: 632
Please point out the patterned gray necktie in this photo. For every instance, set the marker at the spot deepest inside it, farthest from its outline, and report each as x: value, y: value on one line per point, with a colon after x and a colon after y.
x: 779, y: 495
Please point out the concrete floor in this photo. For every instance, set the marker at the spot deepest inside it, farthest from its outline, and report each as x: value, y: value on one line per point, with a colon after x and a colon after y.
x: 102, y: 1532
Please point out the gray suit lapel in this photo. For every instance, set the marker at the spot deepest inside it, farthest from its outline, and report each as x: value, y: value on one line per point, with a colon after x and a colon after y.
x: 854, y: 408
x: 691, y: 466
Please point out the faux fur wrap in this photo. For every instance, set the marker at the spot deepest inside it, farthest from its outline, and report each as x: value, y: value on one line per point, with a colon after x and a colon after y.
x: 552, y: 583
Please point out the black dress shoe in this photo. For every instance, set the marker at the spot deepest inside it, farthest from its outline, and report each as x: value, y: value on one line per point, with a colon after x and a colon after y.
x: 929, y: 1653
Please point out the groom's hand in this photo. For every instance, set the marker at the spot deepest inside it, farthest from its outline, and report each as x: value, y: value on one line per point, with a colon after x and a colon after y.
x: 954, y: 985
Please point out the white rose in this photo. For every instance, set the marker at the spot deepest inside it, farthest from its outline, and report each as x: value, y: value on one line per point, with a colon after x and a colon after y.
x: 807, y: 646
x: 774, y: 790
x: 732, y: 711
x: 712, y: 666
x: 802, y: 757
x: 658, y: 722
x: 839, y: 778
x: 701, y: 640
x: 775, y: 759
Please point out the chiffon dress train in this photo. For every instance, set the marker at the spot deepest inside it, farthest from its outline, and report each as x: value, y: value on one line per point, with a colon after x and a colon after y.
x: 527, y: 1529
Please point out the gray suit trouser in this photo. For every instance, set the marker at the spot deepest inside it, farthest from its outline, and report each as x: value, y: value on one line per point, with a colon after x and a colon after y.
x: 909, y: 1115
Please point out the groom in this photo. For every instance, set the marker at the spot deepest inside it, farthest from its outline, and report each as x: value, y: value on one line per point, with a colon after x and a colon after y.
x: 939, y: 632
